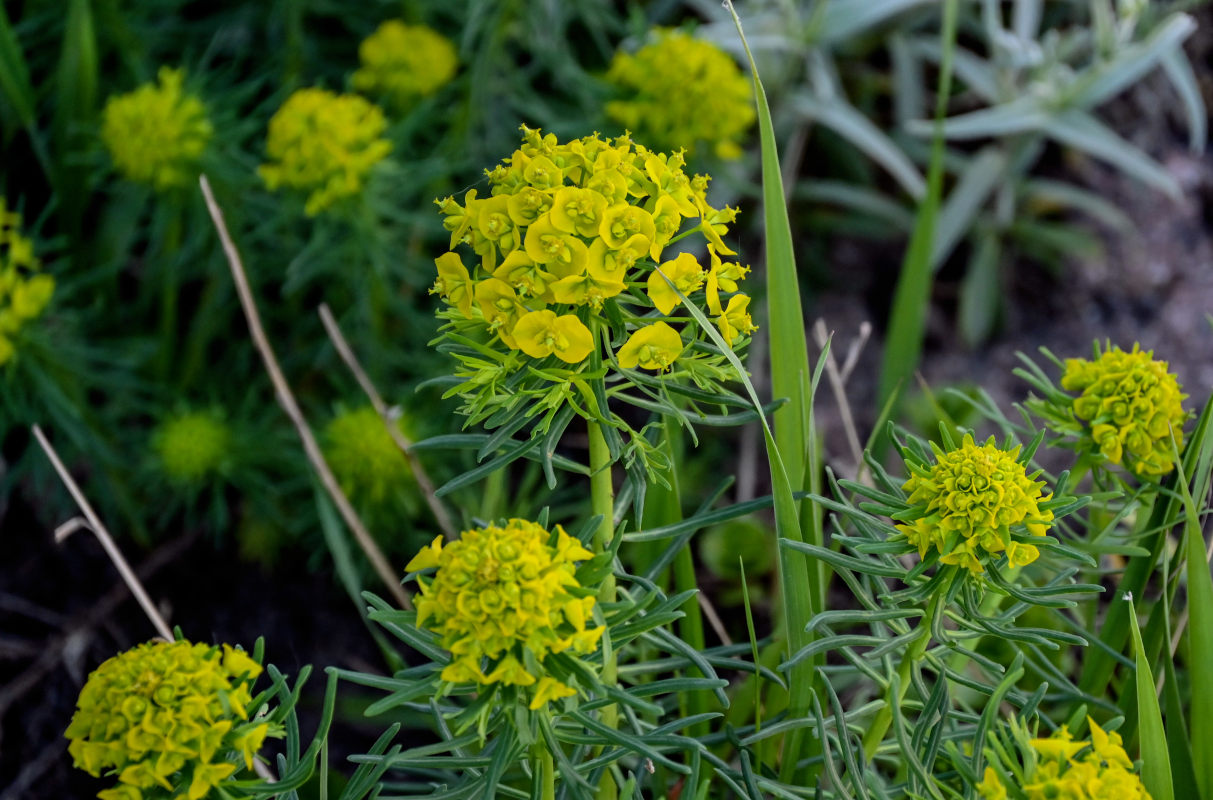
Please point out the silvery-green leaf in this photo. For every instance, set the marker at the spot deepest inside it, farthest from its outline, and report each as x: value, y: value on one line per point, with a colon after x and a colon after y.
x: 1082, y: 131
x: 1131, y: 63
x: 1018, y: 116
x: 1179, y: 71
x: 966, y: 201
x: 857, y: 129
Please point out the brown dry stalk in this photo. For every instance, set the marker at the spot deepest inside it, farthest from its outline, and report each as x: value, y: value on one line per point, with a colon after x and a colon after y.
x: 286, y: 399
x: 95, y: 525
x: 406, y: 447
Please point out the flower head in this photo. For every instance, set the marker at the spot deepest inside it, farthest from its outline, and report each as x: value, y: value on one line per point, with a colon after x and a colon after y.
x: 1060, y: 767
x: 1129, y: 405
x: 404, y: 62
x: 679, y: 91
x: 157, y: 133
x: 364, y: 456
x: 503, y: 599
x: 569, y: 228
x: 167, y: 714
x: 192, y: 446
x: 976, y: 501
x: 24, y: 289
x: 324, y: 144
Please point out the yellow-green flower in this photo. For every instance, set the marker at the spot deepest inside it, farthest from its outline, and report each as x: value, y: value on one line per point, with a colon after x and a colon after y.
x: 25, y: 290
x: 167, y: 714
x: 684, y: 273
x: 973, y: 502
x: 1130, y: 405
x: 1059, y: 768
x: 655, y: 346
x: 680, y: 92
x: 503, y: 599
x: 735, y: 320
x: 542, y: 333
x: 404, y: 62
x: 157, y: 133
x: 365, y: 458
x: 193, y: 446
x: 324, y: 144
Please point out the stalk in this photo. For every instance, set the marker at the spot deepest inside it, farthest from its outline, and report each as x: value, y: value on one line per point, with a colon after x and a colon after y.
x: 880, y: 724
x: 602, y: 501
x: 544, y: 769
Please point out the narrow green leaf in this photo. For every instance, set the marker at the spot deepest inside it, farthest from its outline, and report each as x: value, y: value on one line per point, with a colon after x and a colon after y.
x: 1200, y: 632
x: 1155, y: 760
x: 907, y: 322
x: 984, y: 173
x: 1180, y: 73
x: 15, y: 86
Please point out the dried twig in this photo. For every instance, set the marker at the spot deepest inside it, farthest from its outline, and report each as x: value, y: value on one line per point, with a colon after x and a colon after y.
x: 94, y: 524
x: 709, y: 612
x: 822, y: 337
x: 287, y: 400
x: 389, y: 421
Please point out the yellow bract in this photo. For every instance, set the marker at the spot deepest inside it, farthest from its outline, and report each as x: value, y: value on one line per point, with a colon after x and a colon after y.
x: 503, y: 598
x: 324, y: 144
x: 157, y: 133
x: 971, y: 498
x: 654, y: 346
x: 24, y: 289
x: 679, y: 91
x: 542, y: 333
x: 1131, y: 405
x: 571, y: 228
x: 404, y: 62
x: 1103, y: 771
x: 167, y: 714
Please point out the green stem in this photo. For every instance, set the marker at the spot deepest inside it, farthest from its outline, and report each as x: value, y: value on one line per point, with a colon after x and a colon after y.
x: 602, y: 501
x: 913, y: 654
x: 544, y: 769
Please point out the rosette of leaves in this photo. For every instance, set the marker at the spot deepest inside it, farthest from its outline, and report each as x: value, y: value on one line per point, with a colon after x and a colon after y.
x: 574, y: 300
x: 935, y: 565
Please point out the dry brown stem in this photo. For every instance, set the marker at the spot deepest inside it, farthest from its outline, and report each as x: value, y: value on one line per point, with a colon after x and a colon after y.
x: 286, y: 399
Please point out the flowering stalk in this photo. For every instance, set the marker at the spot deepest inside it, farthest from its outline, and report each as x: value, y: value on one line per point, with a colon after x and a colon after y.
x: 602, y: 502
x: 917, y: 649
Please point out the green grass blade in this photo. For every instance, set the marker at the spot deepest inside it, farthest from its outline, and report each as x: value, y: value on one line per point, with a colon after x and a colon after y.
x: 1155, y: 760
x: 15, y: 85
x: 1200, y: 631
x: 903, y: 346
x: 76, y: 103
x: 790, y: 449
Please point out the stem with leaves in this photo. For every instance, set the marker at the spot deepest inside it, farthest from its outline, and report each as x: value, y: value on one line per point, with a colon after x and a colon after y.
x: 913, y: 654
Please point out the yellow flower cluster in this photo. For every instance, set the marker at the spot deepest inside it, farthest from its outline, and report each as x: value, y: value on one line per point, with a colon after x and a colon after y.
x: 168, y: 715
x: 571, y: 227
x: 502, y: 599
x: 682, y: 91
x: 971, y: 498
x: 192, y: 446
x: 157, y: 133
x: 363, y: 455
x: 404, y: 62
x: 1131, y: 404
x: 1103, y: 771
x: 324, y: 144
x: 24, y: 288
